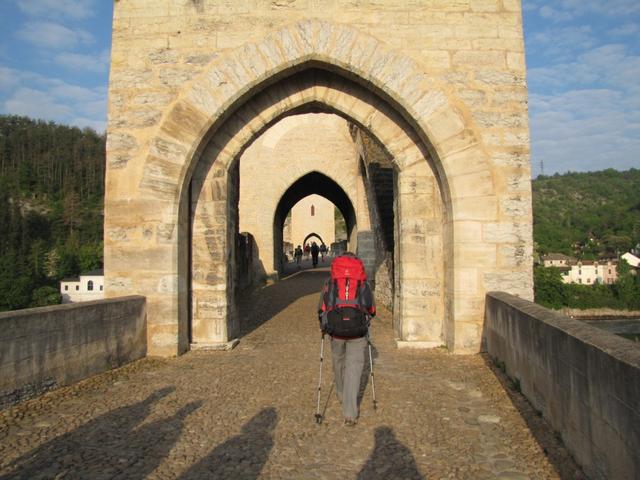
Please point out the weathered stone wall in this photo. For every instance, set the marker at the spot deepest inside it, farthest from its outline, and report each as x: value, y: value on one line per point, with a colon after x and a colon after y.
x: 440, y: 83
x: 586, y: 382
x: 321, y: 223
x: 46, y: 348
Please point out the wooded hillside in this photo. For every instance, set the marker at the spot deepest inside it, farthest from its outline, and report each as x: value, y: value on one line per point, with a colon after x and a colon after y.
x: 587, y: 214
x: 51, y: 208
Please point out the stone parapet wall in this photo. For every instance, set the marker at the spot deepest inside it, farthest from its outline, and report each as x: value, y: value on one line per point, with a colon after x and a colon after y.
x: 586, y: 382
x: 46, y: 348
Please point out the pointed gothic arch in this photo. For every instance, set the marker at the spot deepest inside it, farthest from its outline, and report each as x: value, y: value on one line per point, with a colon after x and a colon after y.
x: 357, y: 76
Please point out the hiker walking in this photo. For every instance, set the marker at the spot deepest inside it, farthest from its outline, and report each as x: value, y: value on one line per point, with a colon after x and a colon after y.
x: 315, y: 250
x: 298, y: 254
x: 323, y: 251
x: 345, y: 309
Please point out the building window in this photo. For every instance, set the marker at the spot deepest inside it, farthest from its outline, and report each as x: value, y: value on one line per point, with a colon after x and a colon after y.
x: 579, y: 272
x: 77, y: 287
x: 579, y: 280
x: 90, y: 285
x: 66, y: 288
x: 313, y: 210
x: 100, y: 287
x: 609, y: 271
x: 588, y: 280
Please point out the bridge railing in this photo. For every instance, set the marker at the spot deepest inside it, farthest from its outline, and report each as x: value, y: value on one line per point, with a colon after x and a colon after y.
x: 45, y: 348
x: 585, y: 381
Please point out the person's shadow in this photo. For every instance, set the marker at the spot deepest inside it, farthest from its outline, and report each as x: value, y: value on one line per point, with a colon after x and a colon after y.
x: 112, y: 442
x: 390, y: 459
x: 242, y: 456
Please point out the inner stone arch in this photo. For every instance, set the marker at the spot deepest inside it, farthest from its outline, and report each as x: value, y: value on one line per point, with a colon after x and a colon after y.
x: 313, y: 235
x: 320, y: 184
x: 280, y: 159
x: 419, y: 303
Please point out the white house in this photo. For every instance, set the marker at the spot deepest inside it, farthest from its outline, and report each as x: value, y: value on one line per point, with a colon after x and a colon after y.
x: 632, y: 260
x: 556, y: 260
x: 586, y: 272
x: 89, y: 286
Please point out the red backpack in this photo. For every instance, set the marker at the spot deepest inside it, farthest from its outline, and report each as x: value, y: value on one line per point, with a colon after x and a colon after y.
x: 346, y: 303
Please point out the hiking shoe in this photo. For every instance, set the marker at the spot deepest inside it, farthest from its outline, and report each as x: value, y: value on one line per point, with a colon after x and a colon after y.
x: 350, y: 422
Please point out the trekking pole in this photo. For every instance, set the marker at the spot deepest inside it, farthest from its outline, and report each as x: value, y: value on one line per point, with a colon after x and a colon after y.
x: 318, y: 415
x: 373, y: 385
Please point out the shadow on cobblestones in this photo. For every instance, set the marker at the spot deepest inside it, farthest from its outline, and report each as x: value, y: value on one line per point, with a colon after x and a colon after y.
x: 556, y: 453
x: 389, y: 459
x: 110, y: 444
x: 242, y: 456
x: 264, y: 304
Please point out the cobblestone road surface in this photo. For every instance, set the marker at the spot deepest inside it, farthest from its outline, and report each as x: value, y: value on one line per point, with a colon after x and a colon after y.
x: 249, y: 413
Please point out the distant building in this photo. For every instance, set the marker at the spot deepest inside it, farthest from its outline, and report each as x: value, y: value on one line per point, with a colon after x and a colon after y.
x: 586, y: 272
x: 556, y: 260
x: 632, y: 260
x: 589, y: 272
x: 89, y: 286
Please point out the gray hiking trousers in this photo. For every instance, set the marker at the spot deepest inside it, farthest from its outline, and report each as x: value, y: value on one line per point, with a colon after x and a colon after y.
x: 347, y: 357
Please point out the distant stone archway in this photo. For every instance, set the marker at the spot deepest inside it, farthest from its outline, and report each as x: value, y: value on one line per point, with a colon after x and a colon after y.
x: 436, y: 144
x: 312, y: 235
x: 319, y: 184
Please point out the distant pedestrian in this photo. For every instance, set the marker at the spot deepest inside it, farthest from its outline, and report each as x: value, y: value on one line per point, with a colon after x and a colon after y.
x: 315, y: 250
x: 298, y: 254
x: 323, y: 250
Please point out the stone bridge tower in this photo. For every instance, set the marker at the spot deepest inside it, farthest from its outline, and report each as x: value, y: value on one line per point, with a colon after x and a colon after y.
x: 436, y: 87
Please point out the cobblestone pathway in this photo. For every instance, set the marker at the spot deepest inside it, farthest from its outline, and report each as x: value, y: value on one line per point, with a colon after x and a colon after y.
x: 248, y: 413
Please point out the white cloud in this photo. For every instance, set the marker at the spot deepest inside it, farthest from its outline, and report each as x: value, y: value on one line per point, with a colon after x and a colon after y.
x: 571, y: 9
x: 625, y: 30
x: 560, y: 43
x: 76, y: 9
x: 608, y: 65
x: 53, y: 35
x: 582, y: 130
x: 585, y: 113
x: 555, y: 15
x: 54, y: 99
x: 36, y: 104
x: 97, y: 63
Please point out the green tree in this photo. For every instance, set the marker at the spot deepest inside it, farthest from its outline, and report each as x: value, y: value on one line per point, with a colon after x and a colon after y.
x: 46, y: 295
x: 90, y: 257
x: 548, y: 287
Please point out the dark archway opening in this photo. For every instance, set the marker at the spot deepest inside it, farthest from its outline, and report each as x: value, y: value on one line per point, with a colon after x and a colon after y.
x: 312, y: 235
x: 311, y: 183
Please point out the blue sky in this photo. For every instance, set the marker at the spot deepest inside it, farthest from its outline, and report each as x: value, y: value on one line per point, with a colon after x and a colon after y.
x: 583, y: 59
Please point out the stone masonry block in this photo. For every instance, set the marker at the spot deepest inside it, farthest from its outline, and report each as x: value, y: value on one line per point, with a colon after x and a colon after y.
x: 472, y: 184
x: 466, y: 281
x: 476, y: 208
x: 468, y: 232
x: 478, y: 255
